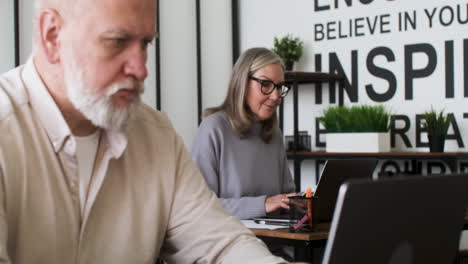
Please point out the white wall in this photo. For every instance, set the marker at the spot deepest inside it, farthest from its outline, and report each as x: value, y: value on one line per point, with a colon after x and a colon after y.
x: 178, y: 60
x: 216, y: 34
x: 7, y: 34
x: 178, y: 65
x: 26, y: 9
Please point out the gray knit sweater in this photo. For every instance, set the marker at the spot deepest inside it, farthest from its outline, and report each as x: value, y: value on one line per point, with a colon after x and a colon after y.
x: 242, y: 172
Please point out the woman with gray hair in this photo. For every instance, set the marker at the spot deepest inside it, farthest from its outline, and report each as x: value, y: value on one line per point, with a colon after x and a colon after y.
x: 239, y: 147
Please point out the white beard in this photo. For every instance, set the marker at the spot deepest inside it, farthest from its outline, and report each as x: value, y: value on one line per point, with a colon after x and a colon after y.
x: 99, y: 109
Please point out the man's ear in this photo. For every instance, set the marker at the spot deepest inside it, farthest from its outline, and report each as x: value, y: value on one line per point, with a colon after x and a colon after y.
x: 50, y: 25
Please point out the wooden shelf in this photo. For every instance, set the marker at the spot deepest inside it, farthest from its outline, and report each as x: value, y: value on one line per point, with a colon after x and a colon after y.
x: 450, y: 158
x: 295, y: 78
x: 379, y: 155
x: 311, y: 77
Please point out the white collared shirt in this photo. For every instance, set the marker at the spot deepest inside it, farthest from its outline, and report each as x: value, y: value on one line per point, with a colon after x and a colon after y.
x: 86, y: 150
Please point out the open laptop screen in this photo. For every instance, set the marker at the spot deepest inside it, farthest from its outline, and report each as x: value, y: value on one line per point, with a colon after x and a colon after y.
x: 415, y: 220
x: 333, y: 175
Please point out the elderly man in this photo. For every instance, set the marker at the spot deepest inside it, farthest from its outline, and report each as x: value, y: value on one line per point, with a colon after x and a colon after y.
x: 88, y: 174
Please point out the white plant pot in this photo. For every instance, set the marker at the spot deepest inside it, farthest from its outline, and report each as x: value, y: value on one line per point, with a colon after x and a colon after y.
x: 357, y: 142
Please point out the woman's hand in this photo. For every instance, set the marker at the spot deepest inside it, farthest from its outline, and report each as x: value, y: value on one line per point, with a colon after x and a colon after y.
x: 274, y: 203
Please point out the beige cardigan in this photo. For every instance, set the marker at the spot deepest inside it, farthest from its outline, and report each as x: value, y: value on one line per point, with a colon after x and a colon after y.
x: 147, y: 198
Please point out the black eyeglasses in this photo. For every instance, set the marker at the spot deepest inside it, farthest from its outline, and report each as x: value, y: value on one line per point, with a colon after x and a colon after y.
x: 268, y: 86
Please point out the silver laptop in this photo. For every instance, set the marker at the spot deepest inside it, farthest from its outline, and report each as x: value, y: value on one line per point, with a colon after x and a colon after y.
x: 334, y: 173
x: 415, y: 220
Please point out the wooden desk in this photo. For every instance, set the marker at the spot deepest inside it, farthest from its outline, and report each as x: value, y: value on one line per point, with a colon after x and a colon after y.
x: 283, y: 233
x: 303, y: 242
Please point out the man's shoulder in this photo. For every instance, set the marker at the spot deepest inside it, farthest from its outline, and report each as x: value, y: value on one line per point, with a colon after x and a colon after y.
x: 150, y: 117
x: 11, y: 92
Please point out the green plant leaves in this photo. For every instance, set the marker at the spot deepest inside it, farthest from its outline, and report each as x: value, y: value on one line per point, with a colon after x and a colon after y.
x: 436, y: 122
x: 364, y: 118
x: 289, y: 48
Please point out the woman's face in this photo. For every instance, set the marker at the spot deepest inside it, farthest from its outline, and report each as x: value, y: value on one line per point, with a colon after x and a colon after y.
x: 263, y: 106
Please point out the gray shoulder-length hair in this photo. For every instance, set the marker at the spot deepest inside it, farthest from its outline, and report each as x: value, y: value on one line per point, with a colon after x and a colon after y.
x: 234, y: 105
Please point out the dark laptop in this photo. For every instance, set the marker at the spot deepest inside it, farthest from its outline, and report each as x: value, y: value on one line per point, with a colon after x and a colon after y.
x: 415, y: 220
x: 334, y: 173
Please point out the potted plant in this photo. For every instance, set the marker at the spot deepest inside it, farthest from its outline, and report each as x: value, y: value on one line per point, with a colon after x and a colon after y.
x: 362, y: 128
x: 436, y: 124
x: 289, y: 48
